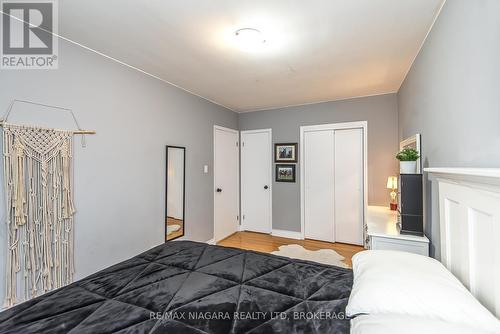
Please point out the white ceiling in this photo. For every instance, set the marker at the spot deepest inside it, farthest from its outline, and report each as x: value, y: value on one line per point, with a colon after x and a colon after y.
x: 315, y: 50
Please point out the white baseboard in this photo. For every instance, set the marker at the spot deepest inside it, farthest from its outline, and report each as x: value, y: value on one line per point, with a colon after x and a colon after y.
x: 210, y: 242
x: 287, y: 234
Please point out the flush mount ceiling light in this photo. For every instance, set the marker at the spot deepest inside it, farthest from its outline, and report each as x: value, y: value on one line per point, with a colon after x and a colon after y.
x: 249, y: 38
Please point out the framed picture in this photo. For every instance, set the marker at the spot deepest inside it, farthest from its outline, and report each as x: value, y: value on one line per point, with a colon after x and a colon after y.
x: 285, y: 173
x: 286, y: 152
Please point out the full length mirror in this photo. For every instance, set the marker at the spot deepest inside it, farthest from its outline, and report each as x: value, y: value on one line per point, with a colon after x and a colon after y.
x: 174, y: 204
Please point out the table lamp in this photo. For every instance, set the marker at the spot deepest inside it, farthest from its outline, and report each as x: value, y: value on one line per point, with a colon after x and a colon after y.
x: 392, y: 183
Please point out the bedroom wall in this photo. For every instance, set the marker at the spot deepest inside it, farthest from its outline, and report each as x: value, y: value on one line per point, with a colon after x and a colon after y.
x: 380, y: 112
x: 120, y: 177
x: 451, y: 95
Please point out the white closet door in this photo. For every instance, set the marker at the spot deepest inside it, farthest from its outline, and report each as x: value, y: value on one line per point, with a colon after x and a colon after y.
x: 256, y: 174
x: 319, y: 185
x: 349, y: 186
x: 226, y: 181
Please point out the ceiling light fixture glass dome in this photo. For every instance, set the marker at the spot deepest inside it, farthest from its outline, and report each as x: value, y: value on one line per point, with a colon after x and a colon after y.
x: 249, y: 38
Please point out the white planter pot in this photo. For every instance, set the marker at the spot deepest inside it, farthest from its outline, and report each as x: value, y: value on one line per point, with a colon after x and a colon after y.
x: 408, y: 167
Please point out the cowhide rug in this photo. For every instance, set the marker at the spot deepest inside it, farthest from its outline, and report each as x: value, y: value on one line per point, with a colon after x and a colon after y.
x: 325, y: 256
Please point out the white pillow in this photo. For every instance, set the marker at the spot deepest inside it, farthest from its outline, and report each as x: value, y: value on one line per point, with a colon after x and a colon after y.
x: 397, y: 324
x: 391, y: 282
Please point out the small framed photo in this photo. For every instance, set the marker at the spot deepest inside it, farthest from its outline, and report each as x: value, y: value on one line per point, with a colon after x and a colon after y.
x: 285, y: 173
x: 286, y: 152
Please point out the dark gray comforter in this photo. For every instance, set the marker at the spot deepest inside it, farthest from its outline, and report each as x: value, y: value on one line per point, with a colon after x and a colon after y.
x: 189, y: 287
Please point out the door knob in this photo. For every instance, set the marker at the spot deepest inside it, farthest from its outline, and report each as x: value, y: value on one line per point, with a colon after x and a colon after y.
x: 219, y: 190
x: 266, y: 187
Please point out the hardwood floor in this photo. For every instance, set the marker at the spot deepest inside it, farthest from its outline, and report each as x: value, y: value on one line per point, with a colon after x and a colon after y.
x: 267, y: 243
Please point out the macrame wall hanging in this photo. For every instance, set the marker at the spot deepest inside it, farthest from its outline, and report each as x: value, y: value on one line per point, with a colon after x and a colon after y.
x: 37, y: 166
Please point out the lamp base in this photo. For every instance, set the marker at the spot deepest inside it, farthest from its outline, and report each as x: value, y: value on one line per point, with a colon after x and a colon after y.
x: 394, y: 206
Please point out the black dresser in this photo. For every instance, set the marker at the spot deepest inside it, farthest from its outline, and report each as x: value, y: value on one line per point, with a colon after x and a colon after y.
x: 410, y: 206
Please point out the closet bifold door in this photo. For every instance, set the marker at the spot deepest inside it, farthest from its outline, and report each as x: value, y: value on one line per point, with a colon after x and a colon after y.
x: 319, y: 185
x: 349, y: 184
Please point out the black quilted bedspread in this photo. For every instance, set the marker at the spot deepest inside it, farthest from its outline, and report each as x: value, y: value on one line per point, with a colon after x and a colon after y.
x: 188, y: 287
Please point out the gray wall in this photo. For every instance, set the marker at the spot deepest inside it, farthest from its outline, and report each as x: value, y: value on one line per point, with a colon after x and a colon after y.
x: 120, y: 176
x: 452, y: 94
x: 381, y: 114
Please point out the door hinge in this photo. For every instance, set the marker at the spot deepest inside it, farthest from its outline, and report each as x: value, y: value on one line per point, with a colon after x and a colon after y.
x: 243, y: 144
x: 237, y: 144
x: 243, y: 216
x: 237, y: 217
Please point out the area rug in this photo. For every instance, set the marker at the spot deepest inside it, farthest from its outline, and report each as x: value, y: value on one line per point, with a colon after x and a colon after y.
x: 325, y: 256
x: 173, y: 228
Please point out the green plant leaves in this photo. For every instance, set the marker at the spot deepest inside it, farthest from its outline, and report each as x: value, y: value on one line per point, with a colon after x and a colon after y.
x: 408, y: 154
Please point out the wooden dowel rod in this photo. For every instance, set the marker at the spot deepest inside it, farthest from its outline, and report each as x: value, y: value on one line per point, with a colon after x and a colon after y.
x: 84, y: 132
x: 76, y: 132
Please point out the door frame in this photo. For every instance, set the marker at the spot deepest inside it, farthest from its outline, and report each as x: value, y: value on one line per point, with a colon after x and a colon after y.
x: 326, y: 127
x: 237, y: 133
x: 271, y: 185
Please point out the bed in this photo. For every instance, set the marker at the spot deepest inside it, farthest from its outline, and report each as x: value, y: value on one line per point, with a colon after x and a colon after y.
x: 190, y: 287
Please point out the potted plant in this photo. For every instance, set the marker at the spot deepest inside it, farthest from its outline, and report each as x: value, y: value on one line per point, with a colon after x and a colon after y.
x: 408, y: 161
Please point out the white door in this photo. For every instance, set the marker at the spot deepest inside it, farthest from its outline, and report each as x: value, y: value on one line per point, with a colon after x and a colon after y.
x: 256, y: 177
x: 349, y: 179
x: 333, y: 181
x: 318, y: 150
x: 226, y: 182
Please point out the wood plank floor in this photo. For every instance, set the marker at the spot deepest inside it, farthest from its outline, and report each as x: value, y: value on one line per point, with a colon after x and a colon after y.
x: 267, y: 243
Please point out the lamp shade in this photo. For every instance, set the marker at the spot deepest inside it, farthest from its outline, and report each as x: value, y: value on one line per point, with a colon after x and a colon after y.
x: 392, y: 182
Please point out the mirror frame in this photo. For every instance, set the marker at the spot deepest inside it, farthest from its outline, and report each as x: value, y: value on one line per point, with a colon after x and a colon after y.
x: 415, y: 140
x: 183, y: 195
